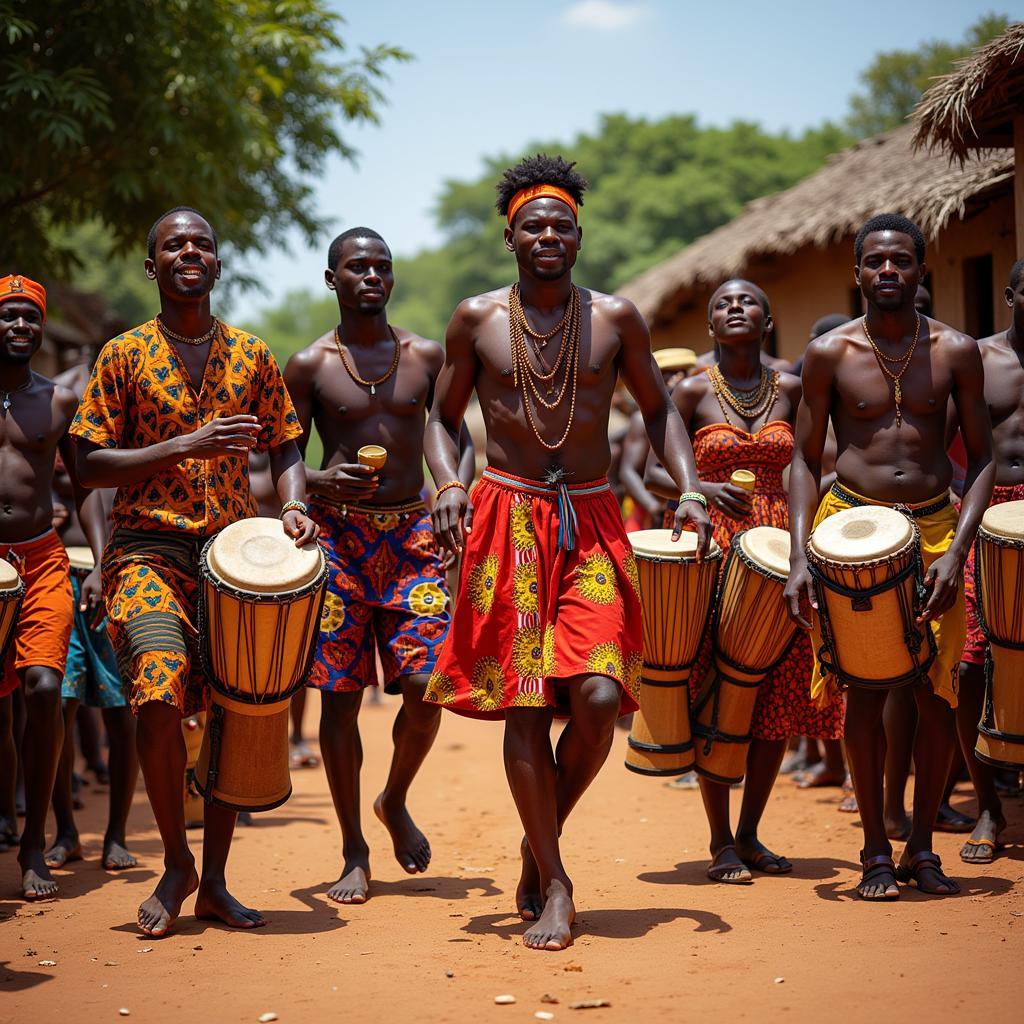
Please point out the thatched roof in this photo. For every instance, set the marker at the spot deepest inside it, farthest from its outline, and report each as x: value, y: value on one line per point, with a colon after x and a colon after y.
x: 878, y: 175
x: 974, y: 105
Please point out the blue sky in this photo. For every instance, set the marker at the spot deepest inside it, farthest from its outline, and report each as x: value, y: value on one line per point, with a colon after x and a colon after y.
x: 489, y: 78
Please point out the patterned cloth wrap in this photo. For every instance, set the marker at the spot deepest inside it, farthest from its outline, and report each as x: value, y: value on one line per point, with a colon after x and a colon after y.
x: 784, y: 707
x: 138, y: 395
x: 950, y: 630
x: 548, y: 592
x: 386, y: 594
x: 976, y: 645
x: 44, y: 623
x: 91, y: 674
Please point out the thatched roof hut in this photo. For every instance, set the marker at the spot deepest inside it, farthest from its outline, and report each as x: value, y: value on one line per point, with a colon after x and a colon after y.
x: 881, y: 174
x: 974, y: 106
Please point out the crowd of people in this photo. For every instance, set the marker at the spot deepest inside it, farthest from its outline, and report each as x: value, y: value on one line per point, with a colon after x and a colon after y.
x: 184, y: 425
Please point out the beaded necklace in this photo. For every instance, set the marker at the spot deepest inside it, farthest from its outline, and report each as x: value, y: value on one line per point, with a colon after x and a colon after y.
x: 371, y: 384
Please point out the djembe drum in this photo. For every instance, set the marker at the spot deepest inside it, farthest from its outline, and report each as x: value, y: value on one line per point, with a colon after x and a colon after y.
x: 752, y: 631
x: 12, y: 591
x: 82, y: 562
x: 260, y: 603
x: 999, y: 575
x: 869, y: 580
x: 676, y: 592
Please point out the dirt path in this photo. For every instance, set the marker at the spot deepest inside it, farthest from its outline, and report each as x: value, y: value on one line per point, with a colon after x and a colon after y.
x: 654, y: 938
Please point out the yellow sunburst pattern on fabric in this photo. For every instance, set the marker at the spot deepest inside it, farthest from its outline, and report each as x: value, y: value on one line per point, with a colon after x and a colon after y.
x: 529, y: 700
x: 524, y: 588
x: 548, y: 651
x: 630, y: 569
x: 606, y: 659
x: 333, y: 614
x: 482, y: 581
x: 523, y: 535
x: 488, y: 687
x: 528, y: 652
x: 427, y: 598
x: 634, y: 670
x: 440, y: 689
x: 595, y: 579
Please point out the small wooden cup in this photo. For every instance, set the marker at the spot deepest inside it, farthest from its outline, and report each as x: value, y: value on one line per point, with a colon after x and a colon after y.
x: 372, y: 455
x: 743, y: 478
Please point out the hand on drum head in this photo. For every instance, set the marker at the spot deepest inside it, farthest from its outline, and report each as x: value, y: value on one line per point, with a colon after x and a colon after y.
x: 729, y: 499
x: 226, y: 435
x: 943, y: 580
x: 799, y: 594
x: 90, y: 599
x: 300, y: 527
x: 693, y: 516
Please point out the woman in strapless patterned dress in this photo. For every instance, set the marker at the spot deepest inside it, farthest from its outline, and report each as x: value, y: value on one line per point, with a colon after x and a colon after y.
x: 740, y: 414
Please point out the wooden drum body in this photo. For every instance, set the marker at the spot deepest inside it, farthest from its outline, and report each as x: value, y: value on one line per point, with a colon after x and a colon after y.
x: 999, y: 574
x: 81, y: 560
x: 259, y: 612
x: 676, y: 591
x: 868, y: 577
x: 752, y: 631
x: 12, y: 591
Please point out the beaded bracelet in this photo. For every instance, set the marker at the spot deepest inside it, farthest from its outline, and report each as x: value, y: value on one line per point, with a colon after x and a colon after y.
x: 693, y: 496
x: 448, y: 486
x: 294, y: 506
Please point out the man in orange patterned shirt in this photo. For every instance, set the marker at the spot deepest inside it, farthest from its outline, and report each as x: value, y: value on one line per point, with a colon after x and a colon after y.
x: 169, y: 417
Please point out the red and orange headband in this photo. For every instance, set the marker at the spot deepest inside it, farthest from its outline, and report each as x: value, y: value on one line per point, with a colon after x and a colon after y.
x: 14, y: 286
x: 527, y: 195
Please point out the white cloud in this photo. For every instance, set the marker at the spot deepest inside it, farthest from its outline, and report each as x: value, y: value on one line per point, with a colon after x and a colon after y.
x: 603, y: 15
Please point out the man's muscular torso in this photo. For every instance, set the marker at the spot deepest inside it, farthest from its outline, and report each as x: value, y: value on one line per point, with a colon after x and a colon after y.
x: 511, y: 444
x: 1004, y: 396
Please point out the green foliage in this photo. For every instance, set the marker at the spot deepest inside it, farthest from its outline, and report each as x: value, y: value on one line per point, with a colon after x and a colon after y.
x: 116, y: 111
x: 895, y: 80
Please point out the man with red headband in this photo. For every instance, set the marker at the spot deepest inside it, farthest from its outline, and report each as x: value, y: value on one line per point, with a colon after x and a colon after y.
x: 548, y: 615
x: 35, y: 414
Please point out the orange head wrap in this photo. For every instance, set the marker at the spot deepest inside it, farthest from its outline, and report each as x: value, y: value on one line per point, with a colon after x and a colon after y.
x: 527, y: 195
x: 14, y: 286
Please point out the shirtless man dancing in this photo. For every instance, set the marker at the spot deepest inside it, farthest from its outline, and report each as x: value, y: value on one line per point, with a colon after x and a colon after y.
x: 366, y: 382
x: 885, y: 379
x: 548, y: 615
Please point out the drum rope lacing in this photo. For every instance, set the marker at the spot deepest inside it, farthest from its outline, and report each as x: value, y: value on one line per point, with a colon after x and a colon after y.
x: 827, y: 653
x: 987, y: 723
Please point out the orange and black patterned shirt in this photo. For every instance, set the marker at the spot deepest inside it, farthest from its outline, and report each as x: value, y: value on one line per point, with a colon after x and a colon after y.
x: 140, y: 393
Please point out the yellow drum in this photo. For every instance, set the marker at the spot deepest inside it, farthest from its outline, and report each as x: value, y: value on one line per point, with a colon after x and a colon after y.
x: 752, y: 631
x: 12, y: 590
x: 999, y: 574
x: 192, y: 730
x: 868, y: 576
x: 259, y: 614
x: 676, y: 592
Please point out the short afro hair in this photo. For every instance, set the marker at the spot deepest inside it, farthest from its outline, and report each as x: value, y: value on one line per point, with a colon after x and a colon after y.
x: 334, y: 252
x: 890, y: 222
x: 828, y: 322
x: 539, y: 170
x: 151, y: 237
x: 758, y: 291
x: 1016, y: 273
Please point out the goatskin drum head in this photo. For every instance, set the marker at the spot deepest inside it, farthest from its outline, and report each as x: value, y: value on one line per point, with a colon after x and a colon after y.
x: 768, y: 547
x: 1006, y: 520
x: 258, y: 556
x: 659, y: 544
x: 862, y: 534
x: 9, y: 578
x: 81, y: 559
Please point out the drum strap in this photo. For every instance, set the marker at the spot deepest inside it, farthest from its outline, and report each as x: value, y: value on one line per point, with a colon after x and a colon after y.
x: 710, y: 733
x: 918, y: 512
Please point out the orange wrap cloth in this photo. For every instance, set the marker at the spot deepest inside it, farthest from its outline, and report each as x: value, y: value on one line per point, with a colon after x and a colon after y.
x: 527, y: 195
x: 14, y: 286
x: 784, y: 706
x: 43, y: 629
x: 547, y: 593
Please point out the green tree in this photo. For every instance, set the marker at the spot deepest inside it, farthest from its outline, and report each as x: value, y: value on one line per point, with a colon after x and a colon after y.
x: 114, y: 111
x: 894, y: 81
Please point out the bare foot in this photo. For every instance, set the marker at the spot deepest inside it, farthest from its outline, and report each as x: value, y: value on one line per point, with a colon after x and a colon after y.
x: 116, y: 857
x: 161, y: 910
x: 951, y: 820
x: 412, y: 850
x: 819, y: 775
x: 898, y: 829
x: 983, y: 843
x: 9, y: 837
x: 554, y: 929
x: 36, y: 881
x: 215, y: 903
x: 529, y: 902
x: 64, y: 849
x: 727, y: 867
x: 354, y: 884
